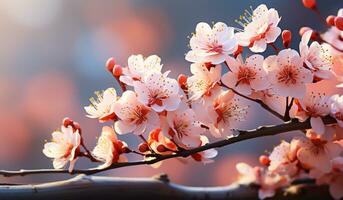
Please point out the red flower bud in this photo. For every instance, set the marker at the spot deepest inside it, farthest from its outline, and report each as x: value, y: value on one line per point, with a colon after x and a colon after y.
x: 339, y: 23
x: 264, y: 160
x: 143, y: 147
x: 110, y: 64
x: 67, y: 122
x: 161, y: 148
x: 117, y: 71
x: 330, y: 20
x: 311, y: 4
x: 182, y: 79
x: 286, y: 38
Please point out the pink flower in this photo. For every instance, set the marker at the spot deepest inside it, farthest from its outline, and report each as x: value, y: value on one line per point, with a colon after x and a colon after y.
x: 204, y: 81
x: 64, y: 147
x: 333, y: 179
x: 337, y: 108
x: 139, y: 67
x: 134, y: 116
x: 287, y: 74
x: 313, y: 106
x: 282, y: 160
x: 184, y: 128
x: 102, y: 107
x: 318, y: 58
x: 247, y: 76
x: 268, y: 181
x: 260, y: 28
x: 222, y: 114
x: 316, y: 153
x: 211, y: 45
x: 109, y: 149
x: 158, y: 92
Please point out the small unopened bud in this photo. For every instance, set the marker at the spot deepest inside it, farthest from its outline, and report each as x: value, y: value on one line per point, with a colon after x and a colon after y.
x: 182, y: 79
x: 196, y: 157
x: 339, y: 23
x: 125, y: 149
x: 286, y: 38
x: 143, y: 147
x: 330, y: 20
x: 311, y: 4
x: 67, y: 122
x: 110, y: 64
x: 161, y: 148
x: 264, y: 160
x: 117, y: 71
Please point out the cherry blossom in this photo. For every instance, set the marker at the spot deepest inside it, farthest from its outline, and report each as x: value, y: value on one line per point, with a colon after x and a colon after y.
x: 160, y: 143
x: 109, y: 149
x: 158, y: 91
x: 204, y: 81
x: 334, y: 178
x: 211, y: 45
x: 139, y: 67
x: 102, y: 107
x: 134, y: 116
x: 247, y: 76
x: 337, y: 108
x: 184, y: 128
x: 64, y: 147
x: 318, y: 58
x: 222, y: 114
x: 314, y: 106
x: 287, y: 75
x: 207, y: 155
x: 283, y: 160
x: 315, y: 153
x: 267, y: 181
x: 260, y: 28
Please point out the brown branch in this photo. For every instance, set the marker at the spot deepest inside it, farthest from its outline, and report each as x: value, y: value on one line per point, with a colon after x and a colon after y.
x: 241, y: 136
x: 106, y: 188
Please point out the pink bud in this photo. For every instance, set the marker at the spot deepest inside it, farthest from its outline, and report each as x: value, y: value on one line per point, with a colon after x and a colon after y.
x: 110, y: 64
x: 311, y: 4
x: 182, y: 79
x: 161, y: 148
x: 339, y: 23
x: 67, y: 122
x: 264, y: 160
x: 143, y: 147
x: 330, y: 20
x: 117, y: 71
x: 286, y: 38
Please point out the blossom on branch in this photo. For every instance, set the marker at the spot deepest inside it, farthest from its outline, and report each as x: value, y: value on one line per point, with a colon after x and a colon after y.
x: 260, y: 28
x: 211, y: 45
x: 64, y: 147
x: 139, y: 67
x: 134, y: 116
x: 287, y: 75
x: 246, y: 77
x: 102, y: 107
x: 109, y: 149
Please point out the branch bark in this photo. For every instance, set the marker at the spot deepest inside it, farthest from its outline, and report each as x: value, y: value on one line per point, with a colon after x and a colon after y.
x: 242, y: 135
x: 94, y: 187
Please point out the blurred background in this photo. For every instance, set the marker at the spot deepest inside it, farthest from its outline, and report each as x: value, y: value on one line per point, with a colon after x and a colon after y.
x: 52, y: 58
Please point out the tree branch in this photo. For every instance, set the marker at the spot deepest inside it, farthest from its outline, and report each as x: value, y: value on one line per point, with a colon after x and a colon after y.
x: 241, y: 136
x: 94, y: 187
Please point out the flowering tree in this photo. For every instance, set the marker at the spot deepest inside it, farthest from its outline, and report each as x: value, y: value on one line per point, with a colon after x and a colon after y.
x: 175, y: 118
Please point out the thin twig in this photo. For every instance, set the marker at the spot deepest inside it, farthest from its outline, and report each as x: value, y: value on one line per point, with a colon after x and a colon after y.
x: 243, y: 135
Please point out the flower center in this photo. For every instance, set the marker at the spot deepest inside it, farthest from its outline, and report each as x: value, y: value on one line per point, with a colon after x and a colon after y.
x: 245, y: 75
x: 180, y: 128
x: 214, y: 48
x: 288, y: 75
x: 139, y: 114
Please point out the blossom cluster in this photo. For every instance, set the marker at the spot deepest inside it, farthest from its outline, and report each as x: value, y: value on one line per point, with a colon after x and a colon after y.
x: 173, y: 115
